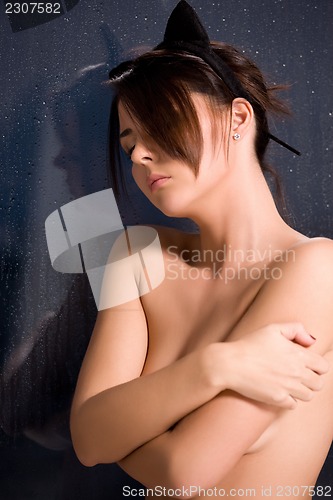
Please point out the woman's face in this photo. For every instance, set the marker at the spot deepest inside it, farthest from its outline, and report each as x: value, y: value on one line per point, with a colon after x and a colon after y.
x: 169, y: 183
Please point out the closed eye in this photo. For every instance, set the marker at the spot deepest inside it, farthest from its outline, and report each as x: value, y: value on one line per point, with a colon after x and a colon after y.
x: 129, y: 152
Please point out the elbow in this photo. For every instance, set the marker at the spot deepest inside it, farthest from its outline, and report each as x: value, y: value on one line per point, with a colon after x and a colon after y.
x: 84, y: 455
x: 81, y: 439
x: 88, y: 452
x: 88, y: 443
x: 82, y: 446
x: 85, y: 459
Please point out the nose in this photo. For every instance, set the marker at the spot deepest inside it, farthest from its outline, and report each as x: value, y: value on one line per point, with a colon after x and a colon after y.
x: 142, y: 153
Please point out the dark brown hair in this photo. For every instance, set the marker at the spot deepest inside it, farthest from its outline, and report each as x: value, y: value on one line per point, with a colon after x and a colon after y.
x: 156, y: 89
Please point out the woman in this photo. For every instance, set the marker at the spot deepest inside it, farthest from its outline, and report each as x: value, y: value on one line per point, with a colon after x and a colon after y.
x: 187, y: 386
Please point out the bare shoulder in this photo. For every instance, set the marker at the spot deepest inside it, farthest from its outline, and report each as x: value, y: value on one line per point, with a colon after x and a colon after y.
x: 311, y: 257
x: 150, y: 239
x: 313, y: 247
x: 298, y: 288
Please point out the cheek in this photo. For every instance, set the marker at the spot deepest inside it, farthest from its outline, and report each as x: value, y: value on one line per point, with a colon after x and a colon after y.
x: 139, y: 176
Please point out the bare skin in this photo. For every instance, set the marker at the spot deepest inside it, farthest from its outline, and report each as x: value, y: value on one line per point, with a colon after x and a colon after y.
x: 219, y: 437
x: 247, y: 442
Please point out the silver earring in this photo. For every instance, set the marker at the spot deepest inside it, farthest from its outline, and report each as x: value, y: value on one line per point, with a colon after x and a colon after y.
x: 236, y: 136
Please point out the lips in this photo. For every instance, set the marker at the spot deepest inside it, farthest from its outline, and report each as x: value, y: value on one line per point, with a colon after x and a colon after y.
x: 154, y: 181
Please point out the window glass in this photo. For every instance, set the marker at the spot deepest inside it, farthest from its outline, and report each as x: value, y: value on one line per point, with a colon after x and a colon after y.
x: 54, y: 111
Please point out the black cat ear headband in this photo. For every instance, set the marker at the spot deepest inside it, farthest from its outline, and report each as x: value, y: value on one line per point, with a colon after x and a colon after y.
x: 185, y: 32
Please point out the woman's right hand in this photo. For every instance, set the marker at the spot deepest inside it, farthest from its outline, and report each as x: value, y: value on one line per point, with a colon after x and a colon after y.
x: 271, y: 365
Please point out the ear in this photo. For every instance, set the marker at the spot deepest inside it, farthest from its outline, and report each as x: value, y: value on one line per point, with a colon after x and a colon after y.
x: 242, y: 116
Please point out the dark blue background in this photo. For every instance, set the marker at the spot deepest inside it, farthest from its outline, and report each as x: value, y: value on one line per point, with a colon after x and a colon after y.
x: 53, y: 131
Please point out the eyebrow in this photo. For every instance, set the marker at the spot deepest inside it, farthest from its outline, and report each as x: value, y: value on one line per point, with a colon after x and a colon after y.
x: 125, y: 133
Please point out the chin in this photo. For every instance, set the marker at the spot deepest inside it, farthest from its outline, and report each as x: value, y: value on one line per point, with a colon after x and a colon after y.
x: 170, y: 205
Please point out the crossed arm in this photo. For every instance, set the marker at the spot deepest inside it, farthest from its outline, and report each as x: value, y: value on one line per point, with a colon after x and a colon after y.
x: 206, y: 445
x: 119, y: 416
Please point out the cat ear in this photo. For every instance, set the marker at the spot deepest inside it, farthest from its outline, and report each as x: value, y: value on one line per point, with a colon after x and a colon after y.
x: 185, y: 26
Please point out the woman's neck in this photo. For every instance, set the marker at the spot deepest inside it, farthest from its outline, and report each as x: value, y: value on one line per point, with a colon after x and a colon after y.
x: 242, y: 220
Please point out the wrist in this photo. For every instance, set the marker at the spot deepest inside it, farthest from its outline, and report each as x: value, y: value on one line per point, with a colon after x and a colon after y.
x: 217, y: 365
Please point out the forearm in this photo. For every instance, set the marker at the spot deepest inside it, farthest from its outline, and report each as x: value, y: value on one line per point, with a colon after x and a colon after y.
x: 153, y: 464
x: 110, y: 423
x: 204, y: 446
x: 113, y: 423
x: 150, y: 463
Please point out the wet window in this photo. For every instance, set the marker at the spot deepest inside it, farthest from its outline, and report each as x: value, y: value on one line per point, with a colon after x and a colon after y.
x: 54, y: 115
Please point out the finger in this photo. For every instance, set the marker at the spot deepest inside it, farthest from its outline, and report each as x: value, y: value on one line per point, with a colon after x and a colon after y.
x: 297, y: 333
x: 288, y: 403
x: 316, y: 362
x: 285, y: 399
x: 301, y: 393
x: 313, y: 381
